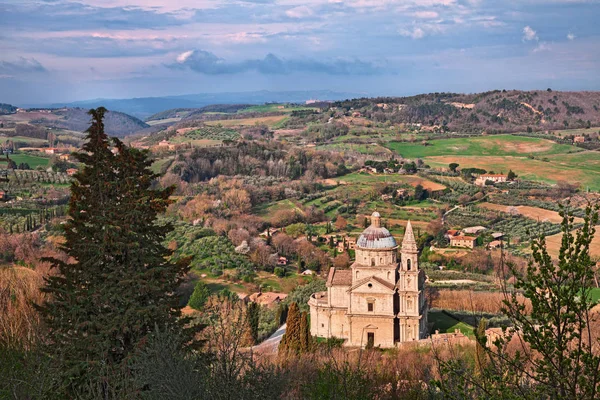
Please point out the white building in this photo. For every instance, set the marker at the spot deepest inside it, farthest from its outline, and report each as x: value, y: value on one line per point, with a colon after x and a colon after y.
x: 380, y: 300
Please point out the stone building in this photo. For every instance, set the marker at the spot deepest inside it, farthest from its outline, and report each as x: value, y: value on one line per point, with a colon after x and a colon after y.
x: 380, y: 300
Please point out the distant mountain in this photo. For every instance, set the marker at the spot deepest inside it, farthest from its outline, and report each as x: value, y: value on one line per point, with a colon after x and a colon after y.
x: 77, y: 119
x: 143, y: 107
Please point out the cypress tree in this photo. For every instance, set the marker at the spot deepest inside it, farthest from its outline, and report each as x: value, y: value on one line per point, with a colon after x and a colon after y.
x: 121, y: 285
x: 292, y: 332
x: 253, y: 314
x: 304, y: 333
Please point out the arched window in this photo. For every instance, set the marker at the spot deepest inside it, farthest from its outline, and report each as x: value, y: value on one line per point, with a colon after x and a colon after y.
x: 380, y: 260
x: 389, y: 275
x: 408, y: 265
x: 372, y: 262
x: 357, y: 274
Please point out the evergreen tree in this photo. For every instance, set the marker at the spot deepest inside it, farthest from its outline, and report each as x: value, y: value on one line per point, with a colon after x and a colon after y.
x: 291, y: 339
x: 121, y: 285
x: 305, y: 338
x: 252, y: 315
x: 199, y: 296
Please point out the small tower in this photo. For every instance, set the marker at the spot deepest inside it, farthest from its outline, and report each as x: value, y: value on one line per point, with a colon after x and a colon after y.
x: 409, y: 252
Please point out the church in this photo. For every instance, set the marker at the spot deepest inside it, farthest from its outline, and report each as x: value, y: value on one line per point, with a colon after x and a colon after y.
x: 380, y: 300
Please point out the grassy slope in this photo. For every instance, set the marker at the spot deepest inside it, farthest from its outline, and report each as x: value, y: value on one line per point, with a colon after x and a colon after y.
x: 497, y: 145
x: 33, y: 161
x: 446, y: 324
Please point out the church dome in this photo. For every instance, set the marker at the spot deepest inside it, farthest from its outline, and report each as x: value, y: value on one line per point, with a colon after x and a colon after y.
x: 376, y: 236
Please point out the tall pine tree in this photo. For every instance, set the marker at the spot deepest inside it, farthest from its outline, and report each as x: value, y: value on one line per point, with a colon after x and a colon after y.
x: 120, y: 284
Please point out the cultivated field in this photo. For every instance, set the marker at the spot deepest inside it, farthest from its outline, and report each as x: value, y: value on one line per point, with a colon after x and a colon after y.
x: 535, y: 213
x: 269, y: 121
x: 496, y: 145
x: 553, y: 244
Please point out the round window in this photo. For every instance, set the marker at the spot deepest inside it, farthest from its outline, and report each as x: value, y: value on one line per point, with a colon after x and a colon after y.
x: 370, y: 285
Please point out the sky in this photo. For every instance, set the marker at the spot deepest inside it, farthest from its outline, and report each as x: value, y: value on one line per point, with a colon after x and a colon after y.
x: 67, y: 50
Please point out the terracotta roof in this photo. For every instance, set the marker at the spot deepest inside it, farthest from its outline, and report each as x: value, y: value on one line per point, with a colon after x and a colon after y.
x: 267, y: 298
x: 467, y: 238
x: 342, y: 277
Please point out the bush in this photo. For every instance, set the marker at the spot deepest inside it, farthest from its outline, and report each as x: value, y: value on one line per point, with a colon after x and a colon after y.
x: 280, y: 272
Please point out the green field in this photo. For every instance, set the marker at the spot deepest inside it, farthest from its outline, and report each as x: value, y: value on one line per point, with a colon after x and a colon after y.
x: 446, y: 324
x: 495, y: 145
x: 33, y: 161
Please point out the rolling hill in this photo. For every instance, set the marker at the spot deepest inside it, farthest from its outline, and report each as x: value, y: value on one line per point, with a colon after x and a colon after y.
x: 493, y: 112
x: 145, y: 106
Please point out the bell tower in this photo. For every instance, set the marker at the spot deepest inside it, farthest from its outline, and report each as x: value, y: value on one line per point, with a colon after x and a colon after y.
x: 409, y: 252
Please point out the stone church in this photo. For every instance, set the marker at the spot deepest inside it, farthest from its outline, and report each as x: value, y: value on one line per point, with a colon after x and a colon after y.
x: 380, y: 300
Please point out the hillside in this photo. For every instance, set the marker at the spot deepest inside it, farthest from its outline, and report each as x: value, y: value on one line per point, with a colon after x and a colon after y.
x: 494, y: 112
x: 77, y: 119
x: 7, y: 109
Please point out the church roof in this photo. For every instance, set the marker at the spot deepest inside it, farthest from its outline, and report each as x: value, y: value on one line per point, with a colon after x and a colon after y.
x: 377, y: 279
x: 339, y: 277
x: 376, y: 236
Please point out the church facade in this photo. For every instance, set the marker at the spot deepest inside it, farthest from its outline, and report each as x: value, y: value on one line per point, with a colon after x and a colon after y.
x: 380, y: 300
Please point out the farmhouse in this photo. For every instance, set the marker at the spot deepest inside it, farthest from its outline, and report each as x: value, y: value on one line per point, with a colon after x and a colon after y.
x: 71, y: 171
x: 463, y: 241
x: 495, y: 178
x: 579, y: 139
x: 380, y: 301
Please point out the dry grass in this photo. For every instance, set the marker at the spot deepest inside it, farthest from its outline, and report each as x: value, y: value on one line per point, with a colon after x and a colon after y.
x: 553, y: 244
x: 467, y: 300
x: 535, y: 213
x: 19, y: 320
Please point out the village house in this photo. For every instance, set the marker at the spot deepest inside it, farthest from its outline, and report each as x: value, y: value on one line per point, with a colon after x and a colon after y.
x: 347, y: 243
x: 579, y: 139
x: 494, y: 178
x: 467, y: 242
x: 2, y: 195
x: 269, y: 299
x: 497, y: 235
x: 71, y: 171
x: 380, y: 300
x: 495, y: 244
x: 308, y: 272
x: 64, y: 157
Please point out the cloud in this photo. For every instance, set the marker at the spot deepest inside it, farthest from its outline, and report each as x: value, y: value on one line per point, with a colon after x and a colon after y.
x: 542, y: 46
x: 419, y: 31
x: 299, y: 12
x: 21, y: 65
x: 415, y: 33
x: 529, y: 34
x: 425, y: 14
x: 571, y: 36
x: 205, y: 62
